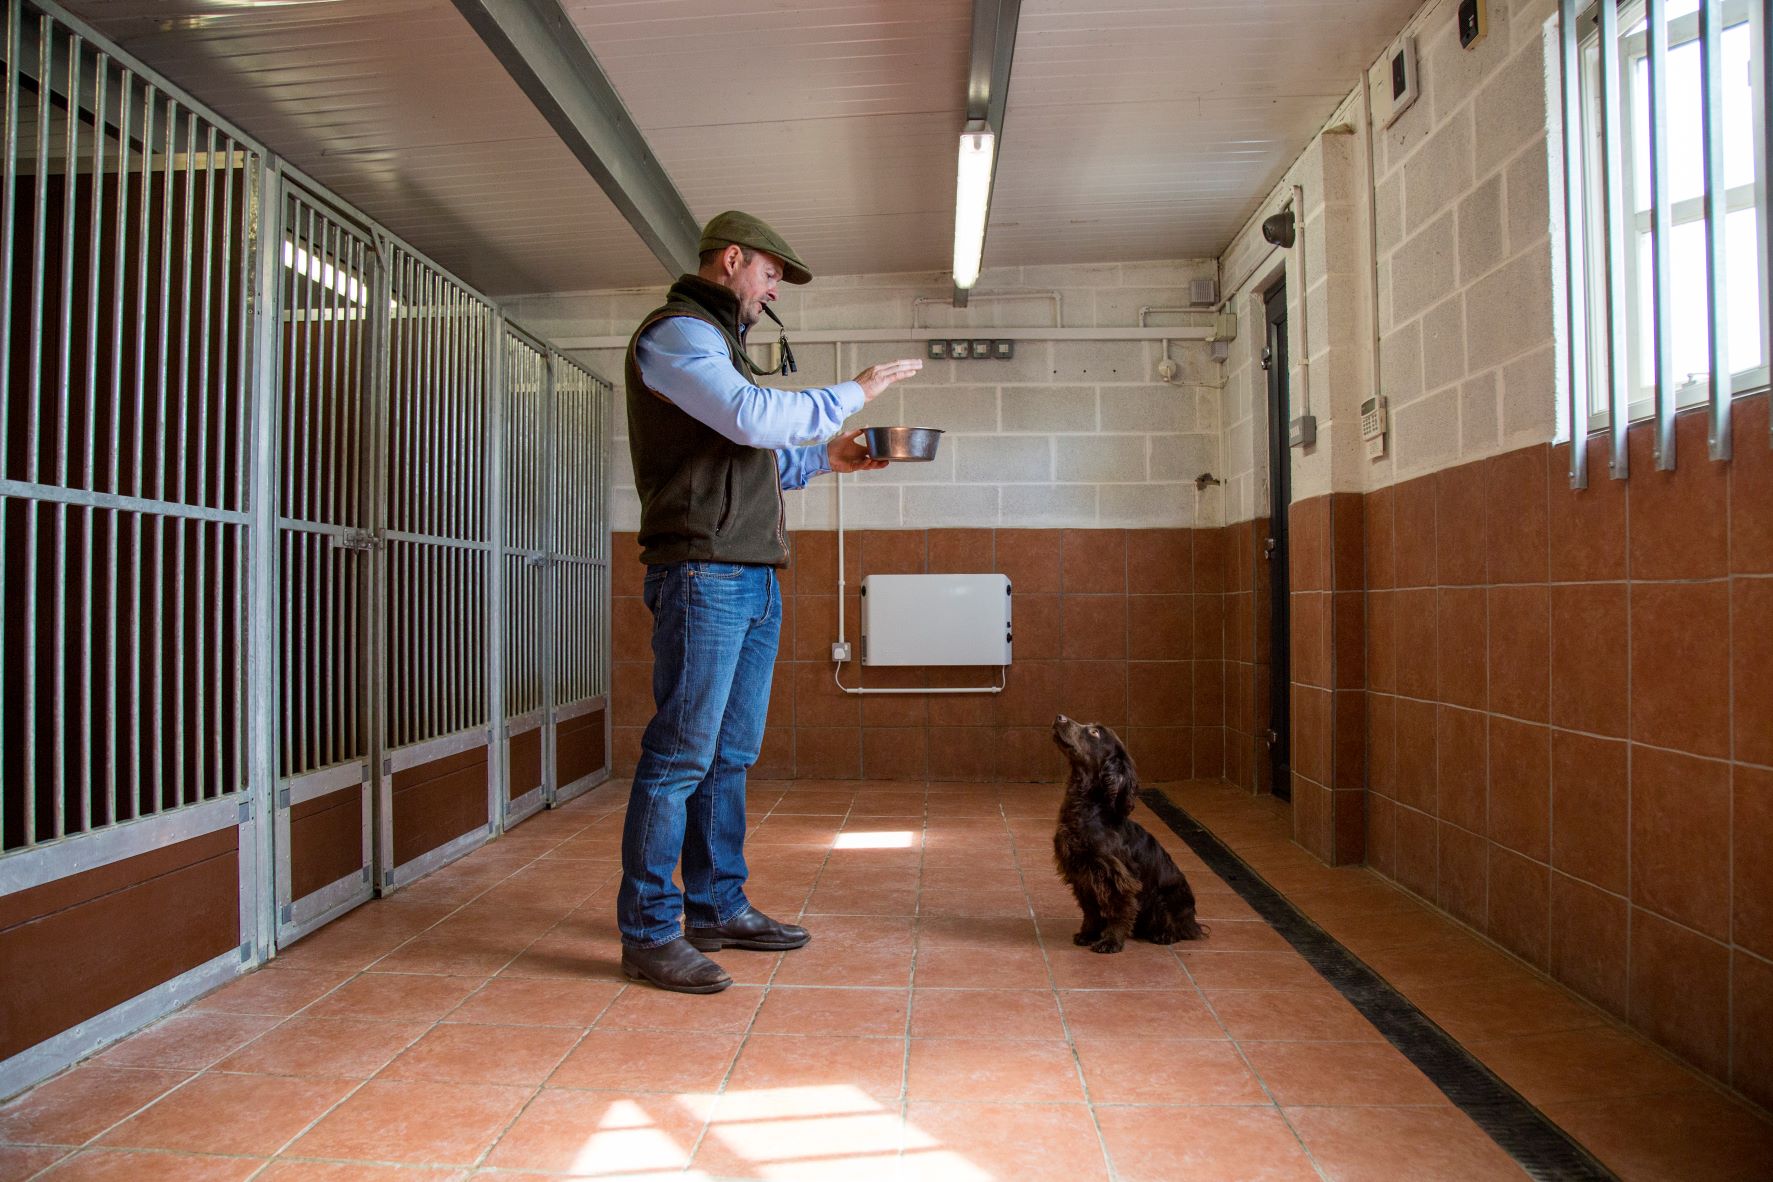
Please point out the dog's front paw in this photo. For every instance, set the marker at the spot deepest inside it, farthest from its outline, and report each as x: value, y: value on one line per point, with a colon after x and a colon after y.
x: 1108, y: 944
x: 1085, y: 938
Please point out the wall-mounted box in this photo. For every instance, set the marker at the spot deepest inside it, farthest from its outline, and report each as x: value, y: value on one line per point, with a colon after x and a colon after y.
x: 936, y: 620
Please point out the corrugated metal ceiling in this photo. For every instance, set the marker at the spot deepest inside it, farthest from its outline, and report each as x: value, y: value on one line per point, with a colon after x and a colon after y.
x: 1136, y: 129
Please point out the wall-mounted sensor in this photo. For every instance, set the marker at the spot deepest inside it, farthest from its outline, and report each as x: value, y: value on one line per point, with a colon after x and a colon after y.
x: 1404, y: 83
x: 1277, y: 229
x: 1474, y: 22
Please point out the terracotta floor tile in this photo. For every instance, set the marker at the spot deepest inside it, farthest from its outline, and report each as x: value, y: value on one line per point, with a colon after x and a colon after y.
x: 1244, y: 935
x: 1504, y: 1008
x: 1313, y: 1073
x: 1391, y: 1144
x: 395, y: 997
x: 1250, y: 970
x: 18, y: 1162
x: 450, y: 955
x: 325, y: 1048
x: 463, y: 1053
x: 985, y: 1013
x: 1448, y: 959
x: 834, y: 959
x: 190, y: 1039
x: 219, y: 1113
x: 1685, y: 1135
x: 78, y: 1105
x: 791, y: 1146
x: 418, y: 1123
x: 1202, y: 1145
x: 109, y: 1165
x: 642, y: 1007
x: 1137, y: 966
x: 599, y: 1134
x: 526, y: 1001
x: 1597, y: 1063
x: 648, y: 1061
x: 1024, y: 1142
x: 1163, y: 1014
x: 1290, y: 1015
x: 972, y: 902
x: 945, y: 966
x: 1134, y: 1071
x: 874, y: 1066
x: 986, y: 1070
x: 278, y: 994
x: 797, y: 1010
x: 339, y: 949
x: 320, y: 1171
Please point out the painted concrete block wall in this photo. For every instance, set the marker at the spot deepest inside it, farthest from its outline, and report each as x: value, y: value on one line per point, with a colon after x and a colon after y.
x: 1463, y: 200
x: 1068, y: 433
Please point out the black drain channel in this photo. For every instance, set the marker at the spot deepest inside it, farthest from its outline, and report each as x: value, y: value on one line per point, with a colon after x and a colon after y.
x: 1537, y: 1145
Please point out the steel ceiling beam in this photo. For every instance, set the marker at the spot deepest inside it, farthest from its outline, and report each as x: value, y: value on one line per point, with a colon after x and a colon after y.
x: 546, y: 55
x: 988, y: 81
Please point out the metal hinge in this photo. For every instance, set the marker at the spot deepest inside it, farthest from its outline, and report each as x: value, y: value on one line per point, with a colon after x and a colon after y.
x: 245, y: 811
x: 287, y: 913
x: 1269, y: 737
x: 387, y: 767
x: 1267, y: 356
x: 1268, y: 547
x: 283, y: 798
x: 245, y: 951
x: 365, y: 875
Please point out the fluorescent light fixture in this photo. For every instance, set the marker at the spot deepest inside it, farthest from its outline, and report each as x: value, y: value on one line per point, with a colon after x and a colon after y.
x: 972, y: 197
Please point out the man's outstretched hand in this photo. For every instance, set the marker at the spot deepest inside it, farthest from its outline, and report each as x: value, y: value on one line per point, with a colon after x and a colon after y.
x: 876, y: 378
x: 848, y: 453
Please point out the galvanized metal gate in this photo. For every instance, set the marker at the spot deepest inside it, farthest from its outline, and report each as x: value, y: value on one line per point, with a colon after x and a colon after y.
x: 436, y: 785
x: 288, y: 517
x: 556, y: 585
x: 128, y: 230
x: 328, y: 289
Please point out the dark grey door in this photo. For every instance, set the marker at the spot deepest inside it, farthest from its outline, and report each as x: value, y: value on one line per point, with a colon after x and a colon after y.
x: 1280, y: 484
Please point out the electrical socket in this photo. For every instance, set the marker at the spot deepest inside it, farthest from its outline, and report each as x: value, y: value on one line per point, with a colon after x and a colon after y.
x: 840, y: 651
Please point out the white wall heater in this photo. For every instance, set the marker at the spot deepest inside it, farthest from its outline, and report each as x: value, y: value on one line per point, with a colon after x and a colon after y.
x: 936, y: 620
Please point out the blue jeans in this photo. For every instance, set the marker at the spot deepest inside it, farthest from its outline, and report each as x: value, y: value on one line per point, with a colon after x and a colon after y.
x: 715, y: 630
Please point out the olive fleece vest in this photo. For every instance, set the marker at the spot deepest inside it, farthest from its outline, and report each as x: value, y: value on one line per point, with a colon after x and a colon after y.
x: 702, y: 496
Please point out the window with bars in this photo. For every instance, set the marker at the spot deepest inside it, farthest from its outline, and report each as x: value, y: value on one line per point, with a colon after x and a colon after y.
x: 1666, y: 148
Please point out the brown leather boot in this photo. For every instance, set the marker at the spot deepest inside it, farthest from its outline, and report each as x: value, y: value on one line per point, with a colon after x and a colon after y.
x: 676, y: 966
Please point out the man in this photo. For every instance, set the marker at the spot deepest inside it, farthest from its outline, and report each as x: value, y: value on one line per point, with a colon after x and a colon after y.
x: 712, y: 452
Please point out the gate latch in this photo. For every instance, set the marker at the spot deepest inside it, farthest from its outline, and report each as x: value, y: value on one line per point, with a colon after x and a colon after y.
x: 539, y: 559
x: 356, y: 539
x: 1268, y: 547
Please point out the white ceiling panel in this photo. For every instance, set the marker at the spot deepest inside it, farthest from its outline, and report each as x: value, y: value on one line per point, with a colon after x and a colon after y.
x: 1135, y: 129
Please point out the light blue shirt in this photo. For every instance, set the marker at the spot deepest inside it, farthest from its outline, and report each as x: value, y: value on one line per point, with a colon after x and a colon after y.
x: 687, y: 361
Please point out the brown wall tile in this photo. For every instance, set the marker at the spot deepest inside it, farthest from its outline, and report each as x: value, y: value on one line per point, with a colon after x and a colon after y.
x: 963, y: 753
x: 1311, y: 734
x: 1680, y: 838
x: 892, y: 551
x: 1348, y: 556
x: 631, y: 629
x: 1520, y: 651
x: 1751, y: 490
x: 828, y: 753
x: 1464, y: 767
x: 1209, y: 693
x: 1520, y: 787
x: 1461, y: 526
x: 817, y: 700
x: 1162, y: 626
x: 1680, y: 990
x: 626, y: 574
x: 1161, y: 693
x: 1416, y: 762
x: 1348, y: 827
x: 1415, y: 617
x: 1309, y: 619
x: 1379, y: 540
x: 1349, y: 743
x: 1751, y: 625
x: 1308, y: 545
x: 1381, y: 640
x: 1161, y: 753
x: 1096, y: 689
x: 1751, y: 1016
x: 1752, y: 829
x: 1414, y: 547
x: 1311, y: 817
x: 1517, y: 515
x: 1027, y: 754
x: 1587, y: 526
x: 1033, y: 695
x: 1418, y: 852
x: 1677, y: 530
x: 961, y: 551
x: 1036, y: 627
x: 1094, y: 627
x: 1161, y: 560
x: 1464, y: 875
x: 1382, y: 744
x: 1589, y: 628
x: 1209, y: 752
x: 1095, y: 561
x: 1209, y: 627
x: 896, y: 753
x: 1382, y: 815
x: 1520, y: 907
x: 1588, y: 942
x: 1348, y: 630
x: 1590, y: 795
x: 1680, y: 666
x: 1031, y: 558
x: 1462, y: 636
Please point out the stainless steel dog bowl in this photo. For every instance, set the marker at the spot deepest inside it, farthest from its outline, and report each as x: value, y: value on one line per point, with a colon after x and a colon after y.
x: 903, y: 445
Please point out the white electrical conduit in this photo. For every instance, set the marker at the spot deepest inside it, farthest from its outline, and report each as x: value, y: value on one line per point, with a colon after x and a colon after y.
x: 1304, y: 304
x: 1372, y: 231
x: 842, y: 644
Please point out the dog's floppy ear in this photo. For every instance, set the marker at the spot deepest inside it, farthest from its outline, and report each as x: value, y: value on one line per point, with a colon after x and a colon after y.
x: 1120, y: 782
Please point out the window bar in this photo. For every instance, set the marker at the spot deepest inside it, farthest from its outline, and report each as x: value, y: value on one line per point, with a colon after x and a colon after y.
x: 9, y: 145
x: 180, y: 528
x: 96, y: 220
x: 200, y: 762
x: 39, y: 233
x: 58, y: 768
x: 1662, y: 379
x: 1618, y: 298
x: 1761, y: 24
x: 119, y: 279
x: 139, y: 432
x: 157, y: 733
x: 225, y: 312
x: 1575, y: 265
x: 333, y: 304
x: 1711, y: 67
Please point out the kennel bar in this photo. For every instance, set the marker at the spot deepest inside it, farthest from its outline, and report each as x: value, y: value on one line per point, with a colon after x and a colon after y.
x: 529, y: 445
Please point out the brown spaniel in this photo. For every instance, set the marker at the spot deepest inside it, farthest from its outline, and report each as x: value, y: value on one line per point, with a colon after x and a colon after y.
x: 1123, y: 880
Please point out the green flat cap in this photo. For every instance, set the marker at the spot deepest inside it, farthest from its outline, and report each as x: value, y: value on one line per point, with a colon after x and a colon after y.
x: 735, y: 228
